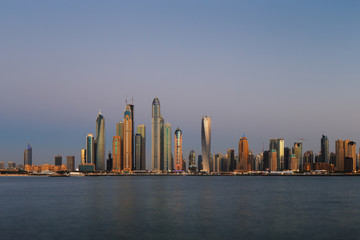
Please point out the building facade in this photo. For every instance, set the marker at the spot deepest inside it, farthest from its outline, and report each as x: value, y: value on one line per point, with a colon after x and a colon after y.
x: 324, y: 149
x: 70, y: 163
x: 142, y: 131
x: 28, y: 155
x: 206, y: 143
x: 178, y: 150
x: 168, y: 162
x: 156, y: 136
x: 243, y: 154
x: 100, y: 143
x: 128, y: 140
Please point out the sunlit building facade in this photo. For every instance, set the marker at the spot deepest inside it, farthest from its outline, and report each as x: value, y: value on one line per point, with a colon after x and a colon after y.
x: 117, y: 154
x: 178, y: 150
x: 243, y: 154
x: 128, y: 140
x: 206, y: 143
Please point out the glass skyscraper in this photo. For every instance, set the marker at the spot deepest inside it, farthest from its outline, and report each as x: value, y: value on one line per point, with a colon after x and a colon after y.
x: 90, y: 148
x: 128, y: 139
x: 156, y: 136
x: 100, y: 142
x: 324, y: 149
x: 28, y: 156
x: 141, y: 131
x: 178, y: 150
x: 168, y: 164
x: 278, y: 145
x: 206, y: 143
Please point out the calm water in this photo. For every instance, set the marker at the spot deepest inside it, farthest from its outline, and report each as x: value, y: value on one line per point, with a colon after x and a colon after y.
x: 180, y: 208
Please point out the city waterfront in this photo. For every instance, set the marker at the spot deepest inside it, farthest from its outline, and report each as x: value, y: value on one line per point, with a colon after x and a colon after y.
x: 180, y: 207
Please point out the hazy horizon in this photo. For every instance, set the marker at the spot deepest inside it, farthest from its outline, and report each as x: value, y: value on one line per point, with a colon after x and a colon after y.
x: 269, y: 69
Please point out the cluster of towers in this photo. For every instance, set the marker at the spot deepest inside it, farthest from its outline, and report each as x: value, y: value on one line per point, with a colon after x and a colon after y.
x: 129, y: 150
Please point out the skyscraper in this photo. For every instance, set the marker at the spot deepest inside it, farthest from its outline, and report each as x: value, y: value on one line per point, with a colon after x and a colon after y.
x: 178, y: 150
x: 28, y: 156
x: 340, y: 154
x: 117, y: 164
x: 206, y: 143
x: 100, y: 142
x: 156, y: 136
x: 324, y: 149
x: 70, y: 163
x: 351, y: 153
x: 297, y: 150
x: 168, y: 163
x: 141, y: 131
x: 138, y: 148
x: 120, y: 129
x: 278, y: 145
x: 128, y: 140
x: 231, y: 159
x: 90, y: 148
x: 58, y: 160
x: 109, y: 162
x: 192, y: 162
x: 243, y: 154
x: 83, y: 156
x: 273, y: 160
x: 132, y: 134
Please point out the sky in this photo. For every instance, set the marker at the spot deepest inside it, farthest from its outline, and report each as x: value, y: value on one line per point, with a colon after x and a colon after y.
x: 267, y: 69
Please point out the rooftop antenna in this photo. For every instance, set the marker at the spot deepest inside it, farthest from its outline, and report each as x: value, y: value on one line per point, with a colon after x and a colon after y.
x: 132, y: 100
x: 126, y: 100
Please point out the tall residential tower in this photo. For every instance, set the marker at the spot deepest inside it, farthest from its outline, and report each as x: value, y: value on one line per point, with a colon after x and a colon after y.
x: 206, y: 143
x: 100, y: 142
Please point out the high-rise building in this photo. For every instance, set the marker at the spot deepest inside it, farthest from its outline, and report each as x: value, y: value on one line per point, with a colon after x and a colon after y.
x: 2, y: 165
x: 297, y: 150
x: 200, y: 165
x: 132, y: 134
x: 192, y: 162
x: 100, y: 142
x: 90, y: 148
x: 340, y: 155
x: 324, y: 149
x: 28, y: 155
x: 117, y: 164
x: 309, y: 157
x: 206, y: 143
x: 168, y: 163
x: 120, y: 129
x: 83, y: 156
x: 217, y: 162
x: 141, y: 131
x: 70, y: 163
x: 109, y: 162
x: 273, y: 160
x: 156, y: 136
x: 231, y: 160
x: 243, y: 155
x: 138, y: 149
x: 58, y: 160
x: 287, y: 158
x: 294, y: 163
x: 351, y: 153
x: 178, y: 150
x: 128, y: 140
x: 278, y: 145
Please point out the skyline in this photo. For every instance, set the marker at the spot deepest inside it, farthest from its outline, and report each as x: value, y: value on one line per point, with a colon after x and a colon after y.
x: 268, y: 69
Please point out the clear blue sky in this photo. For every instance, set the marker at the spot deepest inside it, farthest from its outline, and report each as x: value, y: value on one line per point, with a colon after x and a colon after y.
x: 266, y: 68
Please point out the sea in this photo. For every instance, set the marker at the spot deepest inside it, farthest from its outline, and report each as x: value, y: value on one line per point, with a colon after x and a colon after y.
x: 180, y: 207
